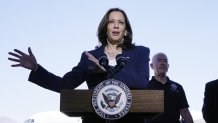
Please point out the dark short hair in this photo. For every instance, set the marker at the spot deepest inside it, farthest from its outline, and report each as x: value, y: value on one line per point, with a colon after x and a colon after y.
x: 102, y: 30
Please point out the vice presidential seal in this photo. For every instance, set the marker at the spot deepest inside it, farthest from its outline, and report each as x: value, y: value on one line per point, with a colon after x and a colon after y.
x: 111, y: 99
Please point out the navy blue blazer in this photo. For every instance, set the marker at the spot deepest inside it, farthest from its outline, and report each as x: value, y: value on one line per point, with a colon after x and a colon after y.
x: 135, y: 73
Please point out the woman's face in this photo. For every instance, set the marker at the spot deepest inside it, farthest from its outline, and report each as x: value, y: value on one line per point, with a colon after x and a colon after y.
x: 116, y: 27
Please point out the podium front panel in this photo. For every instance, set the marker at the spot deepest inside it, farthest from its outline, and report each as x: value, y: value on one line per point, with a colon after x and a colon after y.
x: 145, y: 103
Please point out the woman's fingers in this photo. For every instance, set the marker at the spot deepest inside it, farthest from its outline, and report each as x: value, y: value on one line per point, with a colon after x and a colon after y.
x: 14, y: 54
x: 92, y: 58
x: 19, y: 52
x: 23, y: 60
x: 15, y: 65
x: 12, y: 59
x: 30, y: 51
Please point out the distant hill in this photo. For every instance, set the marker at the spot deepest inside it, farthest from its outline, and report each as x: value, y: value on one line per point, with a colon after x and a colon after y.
x: 52, y: 117
x: 6, y: 120
x: 58, y: 117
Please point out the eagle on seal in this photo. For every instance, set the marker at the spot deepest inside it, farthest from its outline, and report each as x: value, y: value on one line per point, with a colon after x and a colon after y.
x: 111, y: 99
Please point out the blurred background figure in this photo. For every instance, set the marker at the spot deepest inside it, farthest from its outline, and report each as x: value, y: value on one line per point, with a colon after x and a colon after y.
x: 210, y: 105
x: 175, y: 102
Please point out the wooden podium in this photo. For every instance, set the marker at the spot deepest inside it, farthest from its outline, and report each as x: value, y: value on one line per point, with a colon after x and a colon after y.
x: 145, y: 103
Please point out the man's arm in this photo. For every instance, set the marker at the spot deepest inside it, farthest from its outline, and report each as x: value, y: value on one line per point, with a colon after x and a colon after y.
x: 186, y: 115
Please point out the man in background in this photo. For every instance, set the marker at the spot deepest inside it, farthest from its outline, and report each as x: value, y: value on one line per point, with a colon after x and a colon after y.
x: 175, y: 102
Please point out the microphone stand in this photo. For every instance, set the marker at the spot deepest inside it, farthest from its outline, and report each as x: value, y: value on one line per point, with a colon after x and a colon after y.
x: 121, y: 61
x: 111, y: 75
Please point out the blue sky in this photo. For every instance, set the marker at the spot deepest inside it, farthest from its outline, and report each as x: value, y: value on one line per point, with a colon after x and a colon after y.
x: 59, y: 31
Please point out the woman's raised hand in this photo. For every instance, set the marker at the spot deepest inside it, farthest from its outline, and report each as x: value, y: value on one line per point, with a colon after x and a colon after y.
x: 98, y: 67
x: 24, y: 60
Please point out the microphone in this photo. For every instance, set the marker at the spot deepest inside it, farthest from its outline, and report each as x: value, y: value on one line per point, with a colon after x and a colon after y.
x: 103, y: 61
x: 121, y: 62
